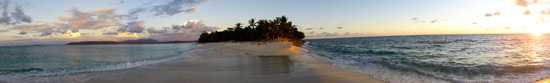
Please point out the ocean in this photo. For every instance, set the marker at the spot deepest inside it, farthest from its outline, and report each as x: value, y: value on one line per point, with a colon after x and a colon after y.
x: 52, y: 60
x: 396, y: 59
x: 441, y: 58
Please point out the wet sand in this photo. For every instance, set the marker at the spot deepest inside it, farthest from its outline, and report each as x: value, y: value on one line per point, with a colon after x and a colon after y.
x: 231, y: 63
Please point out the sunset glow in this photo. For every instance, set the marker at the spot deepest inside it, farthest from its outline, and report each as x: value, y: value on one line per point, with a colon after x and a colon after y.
x: 129, y: 35
x: 107, y: 20
x: 279, y: 41
x: 524, y: 16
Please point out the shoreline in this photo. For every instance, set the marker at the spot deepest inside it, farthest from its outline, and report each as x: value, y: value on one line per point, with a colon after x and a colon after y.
x: 228, y: 62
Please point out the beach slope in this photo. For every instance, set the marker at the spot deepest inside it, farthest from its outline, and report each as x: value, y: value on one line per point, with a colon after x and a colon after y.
x: 247, y: 62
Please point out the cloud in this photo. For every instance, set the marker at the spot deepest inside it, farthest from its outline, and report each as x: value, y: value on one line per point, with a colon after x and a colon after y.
x: 169, y: 8
x: 522, y: 3
x: 105, y: 23
x: 42, y: 28
x: 12, y: 13
x: 189, y: 31
x: 527, y: 3
x: 20, y: 16
x: 75, y: 21
x: 414, y: 18
x: 133, y: 27
x: 434, y: 21
x: 155, y: 31
x: 313, y: 34
x: 419, y: 20
x: 497, y: 13
x: 527, y: 12
x: 105, y: 11
x: 109, y: 24
x: 98, y: 19
x: 4, y: 30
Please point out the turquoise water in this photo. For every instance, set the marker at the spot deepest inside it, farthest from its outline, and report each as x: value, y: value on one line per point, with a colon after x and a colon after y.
x: 65, y: 59
x: 441, y: 58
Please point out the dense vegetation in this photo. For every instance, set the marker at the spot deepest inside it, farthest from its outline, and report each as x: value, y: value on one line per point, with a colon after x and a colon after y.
x: 279, y: 29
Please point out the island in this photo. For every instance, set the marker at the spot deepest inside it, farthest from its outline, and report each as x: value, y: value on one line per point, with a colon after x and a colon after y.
x: 278, y: 29
x: 137, y: 41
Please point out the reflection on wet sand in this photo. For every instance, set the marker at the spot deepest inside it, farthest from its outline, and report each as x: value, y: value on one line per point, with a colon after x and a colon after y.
x: 270, y: 65
x: 223, y: 63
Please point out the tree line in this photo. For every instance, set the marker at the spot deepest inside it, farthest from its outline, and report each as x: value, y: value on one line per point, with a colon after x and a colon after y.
x: 279, y: 29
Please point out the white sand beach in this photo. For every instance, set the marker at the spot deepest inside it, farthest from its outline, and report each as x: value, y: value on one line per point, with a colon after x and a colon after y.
x: 248, y: 62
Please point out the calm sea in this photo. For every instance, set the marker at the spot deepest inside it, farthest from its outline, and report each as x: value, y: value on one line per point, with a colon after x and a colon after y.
x: 400, y: 59
x: 441, y: 58
x: 22, y: 61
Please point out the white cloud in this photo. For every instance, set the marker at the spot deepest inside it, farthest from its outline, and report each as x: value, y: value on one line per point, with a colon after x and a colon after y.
x: 12, y: 14
x: 133, y: 27
x: 189, y: 31
x: 104, y: 23
x: 74, y: 22
x: 169, y: 8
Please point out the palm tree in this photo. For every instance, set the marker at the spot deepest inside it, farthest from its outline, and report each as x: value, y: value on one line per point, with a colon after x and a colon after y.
x: 262, y: 30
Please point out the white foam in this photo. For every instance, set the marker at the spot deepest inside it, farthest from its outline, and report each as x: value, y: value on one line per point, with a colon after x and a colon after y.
x: 376, y: 71
x: 395, y: 76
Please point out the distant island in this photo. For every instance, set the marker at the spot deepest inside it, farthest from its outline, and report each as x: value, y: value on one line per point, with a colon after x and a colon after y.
x: 279, y: 29
x: 138, y: 41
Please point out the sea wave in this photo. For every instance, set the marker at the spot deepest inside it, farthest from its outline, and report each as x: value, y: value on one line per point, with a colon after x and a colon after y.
x: 9, y: 71
x: 436, y: 59
x: 16, y: 75
x: 375, y: 70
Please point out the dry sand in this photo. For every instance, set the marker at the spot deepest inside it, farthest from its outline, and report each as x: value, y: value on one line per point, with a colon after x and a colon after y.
x: 248, y: 62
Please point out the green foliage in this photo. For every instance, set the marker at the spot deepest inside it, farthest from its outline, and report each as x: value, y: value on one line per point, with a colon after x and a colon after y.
x: 262, y: 30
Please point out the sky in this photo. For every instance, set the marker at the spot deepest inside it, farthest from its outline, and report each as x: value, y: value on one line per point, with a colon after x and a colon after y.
x: 169, y: 20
